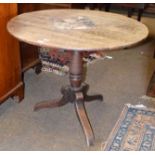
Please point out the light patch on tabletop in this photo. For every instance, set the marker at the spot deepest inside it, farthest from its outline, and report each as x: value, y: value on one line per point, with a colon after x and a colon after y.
x: 80, y: 22
x: 42, y: 41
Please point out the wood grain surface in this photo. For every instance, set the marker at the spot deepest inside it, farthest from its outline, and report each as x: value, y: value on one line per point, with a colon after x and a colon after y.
x: 77, y: 29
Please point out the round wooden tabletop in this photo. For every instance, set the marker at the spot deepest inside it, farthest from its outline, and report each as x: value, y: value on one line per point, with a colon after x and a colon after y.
x: 75, y: 29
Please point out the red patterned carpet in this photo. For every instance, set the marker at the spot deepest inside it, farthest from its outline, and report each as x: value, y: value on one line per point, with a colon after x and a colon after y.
x: 57, y: 61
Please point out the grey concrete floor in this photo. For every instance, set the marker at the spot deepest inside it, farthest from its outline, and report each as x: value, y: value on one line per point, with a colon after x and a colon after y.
x: 122, y: 79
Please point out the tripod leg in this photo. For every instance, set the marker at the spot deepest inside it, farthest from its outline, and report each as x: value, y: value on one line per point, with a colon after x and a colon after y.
x: 88, y: 98
x: 50, y: 104
x: 93, y: 97
x: 83, y: 118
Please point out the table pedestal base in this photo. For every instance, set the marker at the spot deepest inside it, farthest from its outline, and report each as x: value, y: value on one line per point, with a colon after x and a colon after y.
x: 76, y: 94
x: 77, y: 98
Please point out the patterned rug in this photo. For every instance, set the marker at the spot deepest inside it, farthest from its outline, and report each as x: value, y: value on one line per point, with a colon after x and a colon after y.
x: 134, y: 131
x: 57, y: 61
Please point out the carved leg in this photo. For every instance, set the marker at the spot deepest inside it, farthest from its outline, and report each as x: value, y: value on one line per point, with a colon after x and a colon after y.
x: 88, y: 98
x: 93, y: 97
x: 50, y: 104
x: 68, y: 96
x: 83, y: 118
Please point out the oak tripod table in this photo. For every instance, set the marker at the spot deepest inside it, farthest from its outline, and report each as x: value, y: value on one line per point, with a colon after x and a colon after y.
x: 77, y: 31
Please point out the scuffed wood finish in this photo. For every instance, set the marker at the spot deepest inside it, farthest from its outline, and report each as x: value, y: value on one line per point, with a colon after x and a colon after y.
x: 30, y: 53
x: 110, y: 31
x: 10, y: 67
x: 77, y: 31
